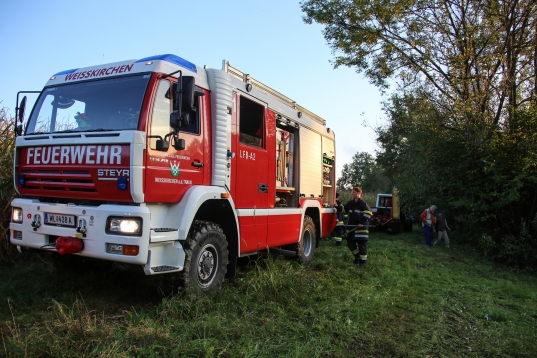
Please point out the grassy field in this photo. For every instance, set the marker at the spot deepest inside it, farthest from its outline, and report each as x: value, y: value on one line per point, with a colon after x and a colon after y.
x: 410, y: 301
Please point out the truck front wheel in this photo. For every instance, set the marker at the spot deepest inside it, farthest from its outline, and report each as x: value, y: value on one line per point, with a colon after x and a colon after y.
x: 206, y: 258
x: 306, y: 245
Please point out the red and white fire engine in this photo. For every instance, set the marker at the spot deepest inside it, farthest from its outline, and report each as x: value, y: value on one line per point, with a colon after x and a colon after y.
x: 171, y: 167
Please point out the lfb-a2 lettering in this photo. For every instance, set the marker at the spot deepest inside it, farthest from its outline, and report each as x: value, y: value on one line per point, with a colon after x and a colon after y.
x: 245, y: 155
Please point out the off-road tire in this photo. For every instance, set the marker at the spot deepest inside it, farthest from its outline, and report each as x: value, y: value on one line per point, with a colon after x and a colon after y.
x: 206, y: 258
x: 306, y: 244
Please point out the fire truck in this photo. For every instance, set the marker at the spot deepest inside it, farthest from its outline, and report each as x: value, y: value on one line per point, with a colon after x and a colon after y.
x: 160, y: 164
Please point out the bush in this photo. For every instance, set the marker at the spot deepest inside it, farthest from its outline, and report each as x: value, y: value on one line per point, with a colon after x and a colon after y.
x: 7, y: 192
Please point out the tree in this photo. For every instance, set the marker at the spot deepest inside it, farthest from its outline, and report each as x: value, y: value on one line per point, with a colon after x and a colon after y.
x: 363, y: 171
x: 489, y: 191
x: 475, y: 58
x: 462, y: 126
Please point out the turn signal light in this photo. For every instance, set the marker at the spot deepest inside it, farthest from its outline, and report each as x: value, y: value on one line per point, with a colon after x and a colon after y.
x: 131, y: 250
x: 119, y: 249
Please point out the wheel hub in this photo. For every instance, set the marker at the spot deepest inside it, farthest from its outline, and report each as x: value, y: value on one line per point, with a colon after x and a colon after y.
x: 206, y: 265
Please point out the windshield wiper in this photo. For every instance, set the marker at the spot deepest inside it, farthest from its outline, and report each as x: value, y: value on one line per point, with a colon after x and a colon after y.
x: 99, y: 130
x: 38, y: 133
x: 67, y: 131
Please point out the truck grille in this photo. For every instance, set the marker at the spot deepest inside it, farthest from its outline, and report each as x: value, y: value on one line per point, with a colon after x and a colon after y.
x: 60, y: 180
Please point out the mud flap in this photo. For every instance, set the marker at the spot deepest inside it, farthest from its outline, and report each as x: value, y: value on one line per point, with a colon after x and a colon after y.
x: 231, y: 267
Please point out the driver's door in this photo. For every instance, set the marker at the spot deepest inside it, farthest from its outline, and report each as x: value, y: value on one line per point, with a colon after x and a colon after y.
x: 170, y: 173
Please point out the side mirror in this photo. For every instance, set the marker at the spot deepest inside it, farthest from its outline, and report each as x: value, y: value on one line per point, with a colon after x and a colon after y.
x: 162, y: 145
x: 22, y: 108
x: 177, y: 120
x: 19, y: 129
x: 178, y: 143
x: 189, y: 87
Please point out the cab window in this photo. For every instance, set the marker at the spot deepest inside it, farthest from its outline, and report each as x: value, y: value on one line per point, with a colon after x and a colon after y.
x: 251, y: 122
x: 160, y: 120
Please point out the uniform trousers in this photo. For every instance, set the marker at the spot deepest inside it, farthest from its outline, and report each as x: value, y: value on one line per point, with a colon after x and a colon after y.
x: 358, y: 249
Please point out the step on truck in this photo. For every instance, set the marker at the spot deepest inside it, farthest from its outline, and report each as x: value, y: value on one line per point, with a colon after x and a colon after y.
x: 160, y: 164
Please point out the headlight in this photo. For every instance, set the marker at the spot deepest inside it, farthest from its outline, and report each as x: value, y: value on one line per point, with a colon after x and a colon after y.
x: 16, y: 215
x: 130, y: 226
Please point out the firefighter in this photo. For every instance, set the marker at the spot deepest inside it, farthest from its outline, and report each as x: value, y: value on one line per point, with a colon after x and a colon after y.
x: 338, y: 231
x: 359, y: 214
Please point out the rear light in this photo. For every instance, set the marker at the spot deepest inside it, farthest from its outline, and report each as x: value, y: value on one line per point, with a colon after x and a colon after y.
x: 16, y: 215
x: 119, y: 249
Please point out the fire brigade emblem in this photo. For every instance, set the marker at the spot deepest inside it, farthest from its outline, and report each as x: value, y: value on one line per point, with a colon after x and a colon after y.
x: 174, y: 168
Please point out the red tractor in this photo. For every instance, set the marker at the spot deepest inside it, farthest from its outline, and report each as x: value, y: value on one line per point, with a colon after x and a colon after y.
x: 387, y: 213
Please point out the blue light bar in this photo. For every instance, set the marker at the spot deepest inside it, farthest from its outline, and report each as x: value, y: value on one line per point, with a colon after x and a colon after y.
x: 172, y: 59
x: 66, y: 72
x: 122, y: 183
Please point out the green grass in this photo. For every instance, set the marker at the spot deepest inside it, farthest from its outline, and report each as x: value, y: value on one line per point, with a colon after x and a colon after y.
x: 410, y: 300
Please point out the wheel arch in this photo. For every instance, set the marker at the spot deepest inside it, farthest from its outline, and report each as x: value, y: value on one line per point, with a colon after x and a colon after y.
x: 314, y: 213
x: 204, y: 203
x: 221, y: 213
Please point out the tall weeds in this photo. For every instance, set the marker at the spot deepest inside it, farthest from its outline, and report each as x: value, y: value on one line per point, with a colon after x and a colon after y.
x: 7, y: 192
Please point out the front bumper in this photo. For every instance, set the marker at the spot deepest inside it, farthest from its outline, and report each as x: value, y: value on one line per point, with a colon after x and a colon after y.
x: 96, y: 238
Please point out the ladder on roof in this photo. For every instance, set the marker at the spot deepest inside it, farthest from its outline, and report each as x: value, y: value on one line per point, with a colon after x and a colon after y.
x: 246, y: 78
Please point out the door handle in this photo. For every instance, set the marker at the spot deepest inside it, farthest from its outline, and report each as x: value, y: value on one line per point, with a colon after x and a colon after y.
x: 263, y: 188
x: 197, y: 164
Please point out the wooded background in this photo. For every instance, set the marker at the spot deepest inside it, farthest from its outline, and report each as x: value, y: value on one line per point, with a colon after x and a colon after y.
x: 462, y: 82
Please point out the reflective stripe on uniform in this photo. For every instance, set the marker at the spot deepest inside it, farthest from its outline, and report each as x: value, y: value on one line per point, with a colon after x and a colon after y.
x: 363, y: 257
x: 361, y: 236
x: 355, y: 252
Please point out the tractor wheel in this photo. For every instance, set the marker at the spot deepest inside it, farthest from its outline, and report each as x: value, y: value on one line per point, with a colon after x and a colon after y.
x: 206, y: 258
x: 306, y: 245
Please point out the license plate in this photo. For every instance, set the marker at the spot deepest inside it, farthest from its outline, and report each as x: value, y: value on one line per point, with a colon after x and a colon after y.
x: 61, y: 220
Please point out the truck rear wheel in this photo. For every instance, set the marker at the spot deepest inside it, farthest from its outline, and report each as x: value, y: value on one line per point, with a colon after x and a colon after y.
x: 306, y: 245
x: 206, y: 258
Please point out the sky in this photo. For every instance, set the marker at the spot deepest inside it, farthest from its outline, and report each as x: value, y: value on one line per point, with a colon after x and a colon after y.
x: 265, y: 38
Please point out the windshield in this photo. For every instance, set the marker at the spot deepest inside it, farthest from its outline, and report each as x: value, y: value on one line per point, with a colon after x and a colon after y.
x: 108, y: 104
